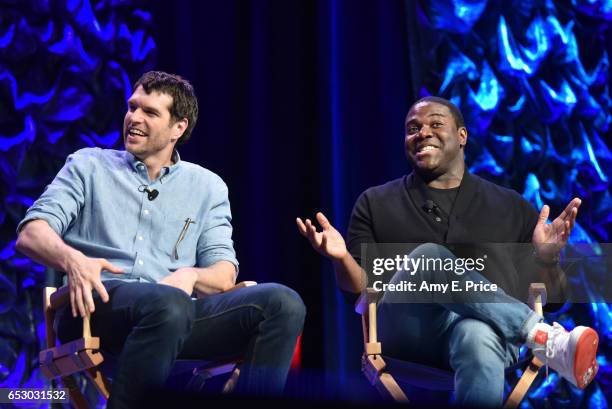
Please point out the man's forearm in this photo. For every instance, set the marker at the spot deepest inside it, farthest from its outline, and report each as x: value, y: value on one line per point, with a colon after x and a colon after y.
x: 214, y: 279
x: 42, y: 244
x: 349, y: 275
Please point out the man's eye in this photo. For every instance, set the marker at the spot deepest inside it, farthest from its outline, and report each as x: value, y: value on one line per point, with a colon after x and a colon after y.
x: 437, y: 124
x: 412, y: 129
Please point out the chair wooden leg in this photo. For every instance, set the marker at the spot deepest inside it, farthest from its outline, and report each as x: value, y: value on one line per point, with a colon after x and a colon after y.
x: 100, y: 381
x: 76, y: 396
x: 230, y: 384
x: 523, y: 384
x: 387, y: 386
x: 373, y: 368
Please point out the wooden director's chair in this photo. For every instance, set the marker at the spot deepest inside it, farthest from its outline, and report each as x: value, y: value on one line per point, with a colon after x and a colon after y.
x: 383, y: 372
x: 85, y: 355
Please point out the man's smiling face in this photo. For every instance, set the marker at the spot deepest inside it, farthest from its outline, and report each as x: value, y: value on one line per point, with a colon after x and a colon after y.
x: 433, y: 143
x: 148, y: 129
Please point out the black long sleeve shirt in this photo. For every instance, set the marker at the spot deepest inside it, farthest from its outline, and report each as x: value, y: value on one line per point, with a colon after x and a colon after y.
x: 483, y: 213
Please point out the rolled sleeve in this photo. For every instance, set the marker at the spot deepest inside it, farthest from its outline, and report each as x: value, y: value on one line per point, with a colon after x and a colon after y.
x: 215, y: 243
x: 62, y: 200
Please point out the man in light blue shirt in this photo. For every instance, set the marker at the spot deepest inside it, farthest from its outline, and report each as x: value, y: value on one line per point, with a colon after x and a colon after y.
x: 137, y: 232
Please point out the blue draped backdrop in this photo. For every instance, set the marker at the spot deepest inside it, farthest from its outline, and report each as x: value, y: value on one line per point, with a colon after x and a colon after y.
x: 302, y: 106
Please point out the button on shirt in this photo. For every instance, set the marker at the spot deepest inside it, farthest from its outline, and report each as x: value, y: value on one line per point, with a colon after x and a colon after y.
x: 97, y: 205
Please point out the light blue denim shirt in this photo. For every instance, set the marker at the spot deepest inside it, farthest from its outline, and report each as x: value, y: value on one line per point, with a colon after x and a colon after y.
x: 95, y: 205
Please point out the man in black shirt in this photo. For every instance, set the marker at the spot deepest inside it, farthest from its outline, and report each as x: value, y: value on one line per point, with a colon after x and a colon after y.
x: 477, y: 336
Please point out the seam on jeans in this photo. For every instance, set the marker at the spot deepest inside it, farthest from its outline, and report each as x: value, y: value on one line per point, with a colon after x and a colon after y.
x: 231, y: 310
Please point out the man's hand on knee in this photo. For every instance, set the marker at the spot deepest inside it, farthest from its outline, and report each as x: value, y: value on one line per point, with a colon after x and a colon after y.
x: 83, y: 277
x: 183, y: 278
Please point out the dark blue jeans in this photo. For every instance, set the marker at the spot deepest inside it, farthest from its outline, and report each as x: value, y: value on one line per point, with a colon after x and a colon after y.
x: 476, y: 339
x: 148, y: 326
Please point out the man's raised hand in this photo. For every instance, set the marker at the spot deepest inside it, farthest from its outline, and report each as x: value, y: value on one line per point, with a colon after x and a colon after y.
x: 328, y: 242
x: 549, y: 239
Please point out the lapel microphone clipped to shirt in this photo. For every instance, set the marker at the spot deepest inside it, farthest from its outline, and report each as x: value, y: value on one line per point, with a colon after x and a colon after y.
x: 432, y: 208
x: 151, y: 194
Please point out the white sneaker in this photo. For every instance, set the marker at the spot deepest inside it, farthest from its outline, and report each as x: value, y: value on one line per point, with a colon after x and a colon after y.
x: 572, y: 354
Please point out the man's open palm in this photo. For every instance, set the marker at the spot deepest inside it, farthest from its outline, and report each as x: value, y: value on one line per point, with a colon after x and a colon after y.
x: 549, y: 239
x: 328, y: 242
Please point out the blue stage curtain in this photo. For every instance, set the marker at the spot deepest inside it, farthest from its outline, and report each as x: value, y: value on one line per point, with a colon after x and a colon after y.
x: 532, y: 80
x: 302, y: 108
x: 66, y: 69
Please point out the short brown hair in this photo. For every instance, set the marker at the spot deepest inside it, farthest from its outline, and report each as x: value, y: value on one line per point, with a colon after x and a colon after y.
x: 184, y: 100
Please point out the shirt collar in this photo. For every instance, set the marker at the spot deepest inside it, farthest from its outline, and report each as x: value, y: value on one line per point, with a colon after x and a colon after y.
x: 137, y: 164
x: 468, y: 188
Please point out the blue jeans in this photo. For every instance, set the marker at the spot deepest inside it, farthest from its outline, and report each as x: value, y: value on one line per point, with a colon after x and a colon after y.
x: 477, y: 340
x: 149, y: 325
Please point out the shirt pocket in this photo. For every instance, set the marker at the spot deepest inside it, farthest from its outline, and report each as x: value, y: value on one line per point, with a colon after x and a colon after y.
x: 181, y: 235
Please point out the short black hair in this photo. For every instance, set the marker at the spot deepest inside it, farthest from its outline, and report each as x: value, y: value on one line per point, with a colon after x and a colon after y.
x: 184, y: 100
x: 454, y: 110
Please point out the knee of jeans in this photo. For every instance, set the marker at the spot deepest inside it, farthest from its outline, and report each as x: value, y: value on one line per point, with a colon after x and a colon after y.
x: 171, y: 308
x: 430, y: 261
x: 475, y: 343
x: 431, y: 250
x: 284, y: 303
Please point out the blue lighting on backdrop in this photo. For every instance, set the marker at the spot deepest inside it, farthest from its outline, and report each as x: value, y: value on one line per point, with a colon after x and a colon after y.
x: 65, y: 71
x: 532, y: 79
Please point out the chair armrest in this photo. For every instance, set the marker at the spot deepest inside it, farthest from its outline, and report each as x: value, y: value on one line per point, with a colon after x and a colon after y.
x: 366, y: 307
x: 537, y: 297
x: 368, y: 295
x: 59, y: 298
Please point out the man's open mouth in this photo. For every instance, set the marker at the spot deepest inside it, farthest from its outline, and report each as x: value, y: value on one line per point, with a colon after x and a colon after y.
x: 136, y: 132
x: 426, y: 148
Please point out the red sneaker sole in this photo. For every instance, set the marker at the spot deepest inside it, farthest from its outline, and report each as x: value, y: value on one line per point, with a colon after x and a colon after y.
x: 585, y: 358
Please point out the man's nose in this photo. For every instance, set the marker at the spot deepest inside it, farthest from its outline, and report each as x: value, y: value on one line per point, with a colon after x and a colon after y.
x: 425, y: 131
x: 135, y: 116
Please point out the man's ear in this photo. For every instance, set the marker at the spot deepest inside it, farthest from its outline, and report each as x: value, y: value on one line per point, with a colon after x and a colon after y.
x: 179, y: 128
x: 463, y: 135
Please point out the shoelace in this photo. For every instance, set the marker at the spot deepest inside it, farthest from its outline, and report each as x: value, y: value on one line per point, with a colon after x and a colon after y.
x: 549, y: 349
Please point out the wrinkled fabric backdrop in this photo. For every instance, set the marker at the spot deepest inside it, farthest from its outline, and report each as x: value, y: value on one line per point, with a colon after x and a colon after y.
x: 302, y: 107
